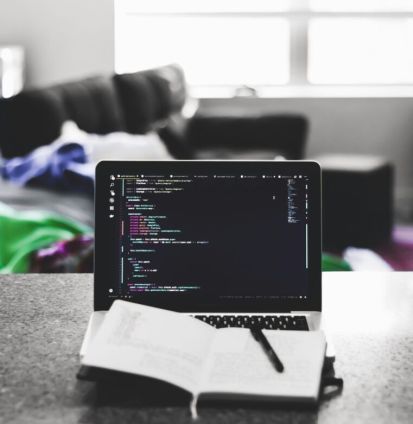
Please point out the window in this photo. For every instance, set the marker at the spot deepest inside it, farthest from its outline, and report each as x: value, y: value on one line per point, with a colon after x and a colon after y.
x: 267, y: 43
x: 216, y: 42
x: 360, y: 42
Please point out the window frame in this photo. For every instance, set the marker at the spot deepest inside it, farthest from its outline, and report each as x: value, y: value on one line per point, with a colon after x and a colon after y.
x: 299, y: 14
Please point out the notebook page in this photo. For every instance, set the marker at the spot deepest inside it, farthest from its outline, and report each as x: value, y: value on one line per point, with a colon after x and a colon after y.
x: 238, y: 364
x: 151, y: 342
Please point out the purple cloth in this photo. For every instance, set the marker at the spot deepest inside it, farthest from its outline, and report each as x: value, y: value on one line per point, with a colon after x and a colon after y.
x: 74, y: 255
x: 62, y: 166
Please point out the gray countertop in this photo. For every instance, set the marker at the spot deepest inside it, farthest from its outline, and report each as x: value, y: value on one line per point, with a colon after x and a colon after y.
x: 369, y: 317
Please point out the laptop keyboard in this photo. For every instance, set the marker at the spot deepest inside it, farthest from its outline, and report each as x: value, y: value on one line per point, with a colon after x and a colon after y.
x: 267, y: 322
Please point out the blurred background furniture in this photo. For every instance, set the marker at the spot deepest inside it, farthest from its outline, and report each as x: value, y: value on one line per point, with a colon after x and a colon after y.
x: 152, y: 100
x: 357, y: 190
x: 121, y: 106
x: 357, y: 200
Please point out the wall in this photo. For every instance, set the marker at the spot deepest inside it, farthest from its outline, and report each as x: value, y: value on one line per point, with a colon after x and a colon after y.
x: 378, y: 126
x: 64, y: 39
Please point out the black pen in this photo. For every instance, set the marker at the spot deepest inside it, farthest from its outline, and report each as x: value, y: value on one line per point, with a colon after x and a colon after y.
x: 263, y: 341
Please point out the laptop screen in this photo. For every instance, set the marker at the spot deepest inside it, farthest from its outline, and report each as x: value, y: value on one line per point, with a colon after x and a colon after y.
x: 206, y: 236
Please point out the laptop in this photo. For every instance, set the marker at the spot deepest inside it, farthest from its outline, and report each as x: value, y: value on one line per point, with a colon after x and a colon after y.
x: 233, y: 243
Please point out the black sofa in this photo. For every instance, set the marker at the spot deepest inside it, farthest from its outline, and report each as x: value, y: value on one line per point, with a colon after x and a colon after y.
x: 138, y: 103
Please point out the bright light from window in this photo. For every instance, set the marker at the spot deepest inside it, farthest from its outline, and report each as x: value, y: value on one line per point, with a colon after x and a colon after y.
x: 360, y: 51
x: 230, y: 43
x: 202, y: 6
x: 213, y: 50
x: 361, y: 5
x: 11, y: 70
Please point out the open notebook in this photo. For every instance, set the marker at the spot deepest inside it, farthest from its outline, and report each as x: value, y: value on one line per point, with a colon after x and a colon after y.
x: 205, y: 361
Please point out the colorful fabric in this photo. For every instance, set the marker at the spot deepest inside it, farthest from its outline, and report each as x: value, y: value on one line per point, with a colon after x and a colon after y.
x: 22, y: 233
x: 74, y: 255
x: 68, y: 163
x: 59, y: 166
x: 334, y: 263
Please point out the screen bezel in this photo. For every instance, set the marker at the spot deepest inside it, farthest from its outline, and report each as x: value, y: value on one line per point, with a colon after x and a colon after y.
x: 103, y: 261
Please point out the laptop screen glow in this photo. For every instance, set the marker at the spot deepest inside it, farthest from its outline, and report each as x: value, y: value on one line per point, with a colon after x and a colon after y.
x: 209, y: 237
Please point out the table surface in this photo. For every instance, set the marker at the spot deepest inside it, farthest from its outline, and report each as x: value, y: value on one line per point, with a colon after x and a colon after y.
x: 369, y: 317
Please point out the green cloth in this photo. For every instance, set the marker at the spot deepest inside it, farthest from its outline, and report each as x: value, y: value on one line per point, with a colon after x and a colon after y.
x: 23, y: 232
x: 334, y: 263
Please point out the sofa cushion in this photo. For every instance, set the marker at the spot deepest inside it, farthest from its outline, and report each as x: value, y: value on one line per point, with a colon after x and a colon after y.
x: 31, y: 119
x: 138, y: 102
x: 281, y: 134
x: 93, y: 104
x: 177, y: 92
x: 174, y: 135
x: 149, y: 97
